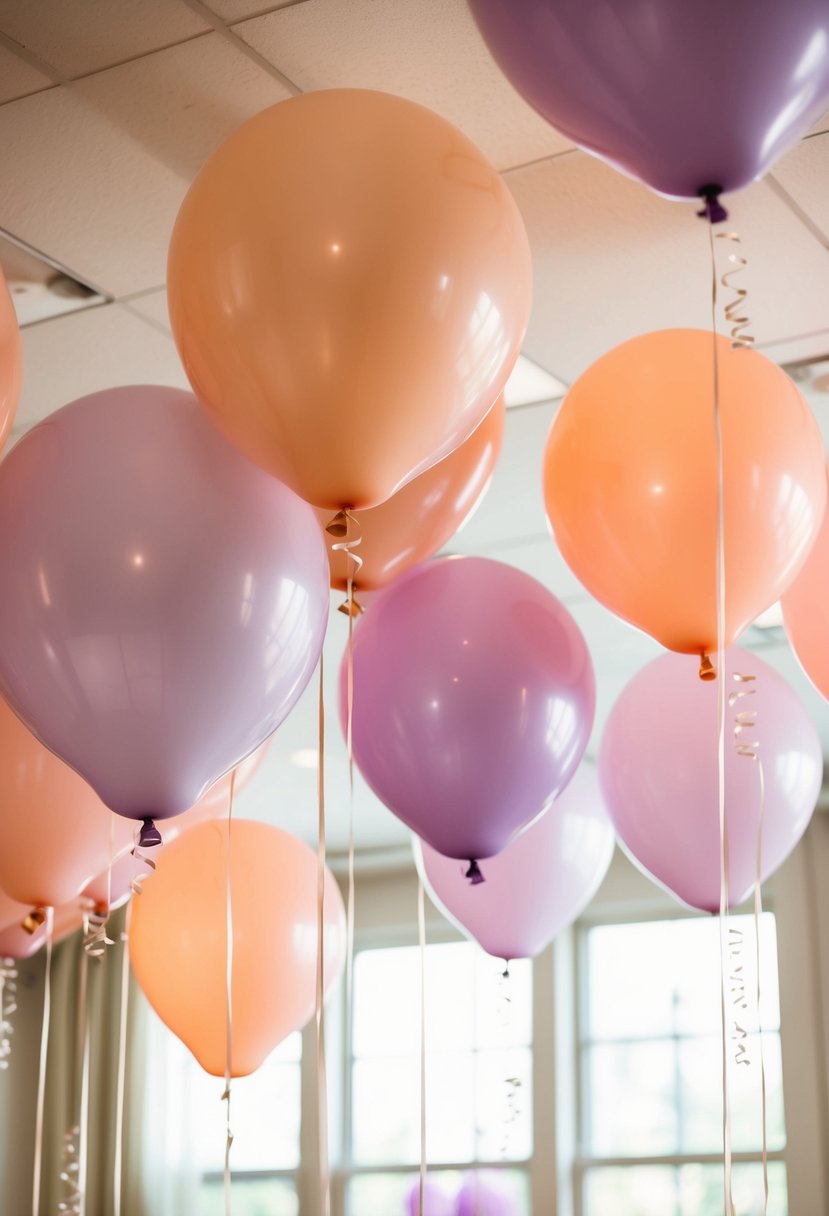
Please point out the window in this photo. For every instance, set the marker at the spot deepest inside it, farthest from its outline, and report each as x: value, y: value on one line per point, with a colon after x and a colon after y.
x: 650, y: 1070
x: 479, y: 1078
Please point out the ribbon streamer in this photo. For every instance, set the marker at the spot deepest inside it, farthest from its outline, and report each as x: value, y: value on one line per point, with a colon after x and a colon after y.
x: 121, y: 1080
x: 229, y: 998
x: 42, y: 1064
x: 733, y: 310
x: 322, y: 1083
x: 339, y: 527
x: 8, y: 1008
x: 728, y: 1199
x: 421, y: 938
x: 95, y: 937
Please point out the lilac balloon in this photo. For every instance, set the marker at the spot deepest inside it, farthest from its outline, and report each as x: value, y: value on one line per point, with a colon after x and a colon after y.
x: 436, y: 1201
x: 473, y: 701
x: 485, y: 1194
x: 684, y: 94
x: 163, y: 602
x: 658, y: 766
x: 540, y: 883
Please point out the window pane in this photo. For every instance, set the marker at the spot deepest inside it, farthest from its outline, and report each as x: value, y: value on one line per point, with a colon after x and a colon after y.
x: 701, y: 1189
x: 658, y: 978
x: 629, y: 1097
x: 262, y: 1197
x: 637, y: 1190
x: 701, y: 1101
x: 386, y: 1003
x: 507, y: 1192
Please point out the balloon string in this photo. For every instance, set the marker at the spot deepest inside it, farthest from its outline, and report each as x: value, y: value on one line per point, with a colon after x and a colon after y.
x: 95, y: 938
x: 121, y: 1086
x: 228, y: 998
x: 339, y: 527
x: 728, y: 1200
x: 513, y: 1084
x: 44, y: 1059
x: 8, y: 1007
x: 73, y: 1167
x: 421, y: 937
x: 322, y: 1084
x: 137, y: 883
x: 349, y: 732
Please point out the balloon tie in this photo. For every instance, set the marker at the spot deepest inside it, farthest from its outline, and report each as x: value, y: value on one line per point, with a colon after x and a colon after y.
x: 339, y: 528
x: 121, y: 1079
x: 474, y: 874
x: 33, y: 920
x: 728, y: 1198
x: 149, y: 836
x: 229, y: 999
x: 713, y: 210
x: 43, y: 1061
x: 8, y: 1008
x: 421, y: 939
x: 322, y: 1084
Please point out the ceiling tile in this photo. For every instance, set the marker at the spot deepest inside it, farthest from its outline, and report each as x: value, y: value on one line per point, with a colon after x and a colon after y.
x: 88, y: 351
x: 430, y: 52
x: 804, y: 175
x: 88, y: 35
x: 153, y: 307
x: 94, y: 172
x: 18, y: 78
x: 239, y: 10
x: 612, y: 260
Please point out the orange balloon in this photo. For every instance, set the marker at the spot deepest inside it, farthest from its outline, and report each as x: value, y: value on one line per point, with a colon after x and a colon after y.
x: 178, y: 940
x: 631, y: 488
x: 349, y: 284
x: 806, y: 612
x: 11, y: 360
x: 419, y: 519
x: 55, y: 831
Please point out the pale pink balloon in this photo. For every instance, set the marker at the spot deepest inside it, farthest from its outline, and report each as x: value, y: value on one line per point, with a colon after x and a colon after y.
x: 658, y: 766
x: 538, y: 884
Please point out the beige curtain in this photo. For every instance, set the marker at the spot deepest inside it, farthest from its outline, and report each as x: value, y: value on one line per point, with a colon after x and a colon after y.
x: 18, y: 1084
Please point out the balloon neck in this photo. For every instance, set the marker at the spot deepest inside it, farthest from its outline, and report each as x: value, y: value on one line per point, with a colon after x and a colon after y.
x: 149, y: 837
x: 474, y: 874
x: 337, y: 526
x: 33, y: 920
x: 351, y: 607
x: 713, y: 211
x: 505, y: 972
x: 707, y: 670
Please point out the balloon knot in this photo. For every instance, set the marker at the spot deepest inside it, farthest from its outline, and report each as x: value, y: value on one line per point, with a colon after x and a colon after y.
x: 505, y: 972
x: 707, y: 670
x: 474, y: 874
x: 713, y: 211
x: 149, y: 836
x: 338, y: 525
x: 351, y: 607
x: 33, y: 920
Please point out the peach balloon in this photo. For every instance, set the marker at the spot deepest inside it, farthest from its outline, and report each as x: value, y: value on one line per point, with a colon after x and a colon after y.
x: 806, y: 612
x: 349, y: 284
x: 630, y: 484
x: 56, y: 832
x: 178, y: 940
x: 10, y: 362
x: 419, y: 519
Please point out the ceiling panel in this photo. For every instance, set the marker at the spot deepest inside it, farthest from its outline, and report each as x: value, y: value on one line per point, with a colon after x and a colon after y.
x: 94, y: 173
x: 85, y: 36
x: 87, y: 351
x: 612, y: 260
x: 18, y: 78
x: 396, y: 47
x: 239, y: 10
x: 804, y: 175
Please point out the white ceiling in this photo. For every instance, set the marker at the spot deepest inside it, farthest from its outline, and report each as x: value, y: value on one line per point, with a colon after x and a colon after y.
x: 107, y: 112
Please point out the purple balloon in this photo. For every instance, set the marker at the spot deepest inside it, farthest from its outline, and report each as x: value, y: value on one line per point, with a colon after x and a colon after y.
x: 540, y: 883
x: 658, y: 765
x: 163, y: 602
x: 436, y: 1201
x: 684, y: 94
x: 485, y: 1194
x: 473, y: 701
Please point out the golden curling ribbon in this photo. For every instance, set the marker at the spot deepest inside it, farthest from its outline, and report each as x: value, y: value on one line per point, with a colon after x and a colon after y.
x: 735, y: 316
x: 8, y: 1008
x: 339, y: 527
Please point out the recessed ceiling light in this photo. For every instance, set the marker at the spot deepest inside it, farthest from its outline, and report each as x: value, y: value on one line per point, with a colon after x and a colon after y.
x: 41, y: 289
x: 530, y: 384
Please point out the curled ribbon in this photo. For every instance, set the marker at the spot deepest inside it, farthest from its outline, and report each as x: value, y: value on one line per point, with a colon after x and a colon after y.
x: 8, y: 1007
x: 72, y: 1202
x: 137, y: 883
x: 339, y: 528
x: 733, y: 310
x: 95, y: 938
